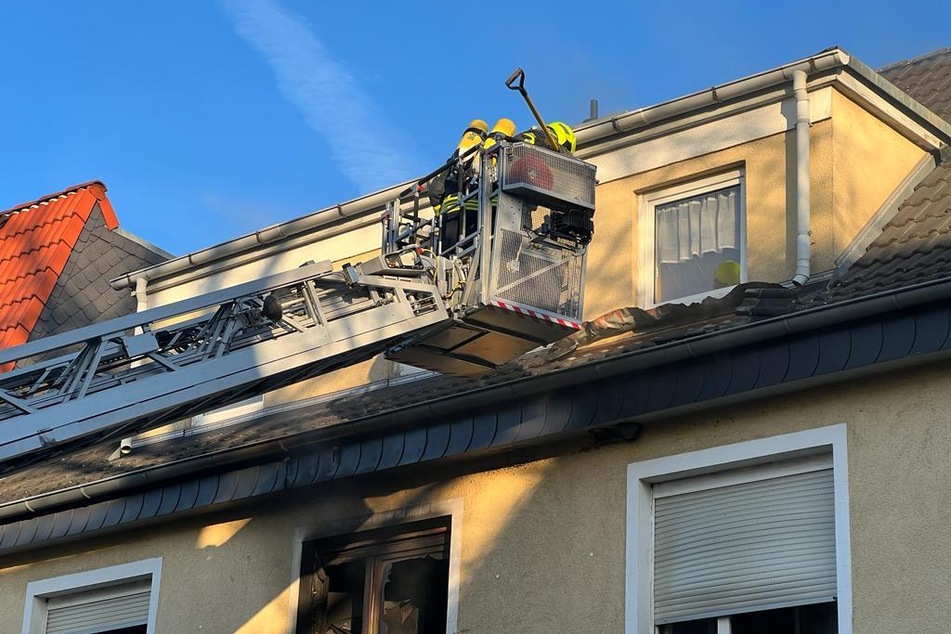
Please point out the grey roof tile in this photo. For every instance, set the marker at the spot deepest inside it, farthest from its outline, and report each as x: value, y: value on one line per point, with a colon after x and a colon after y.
x: 927, y: 79
x: 915, y: 246
x: 82, y: 294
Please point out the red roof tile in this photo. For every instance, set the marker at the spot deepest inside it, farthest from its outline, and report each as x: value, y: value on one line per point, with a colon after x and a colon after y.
x: 36, y: 240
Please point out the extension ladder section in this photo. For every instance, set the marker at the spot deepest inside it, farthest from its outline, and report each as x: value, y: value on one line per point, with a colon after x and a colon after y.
x: 460, y: 293
x: 178, y: 360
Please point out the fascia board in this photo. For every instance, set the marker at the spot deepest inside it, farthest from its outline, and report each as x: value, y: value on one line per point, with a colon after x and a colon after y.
x: 833, y: 67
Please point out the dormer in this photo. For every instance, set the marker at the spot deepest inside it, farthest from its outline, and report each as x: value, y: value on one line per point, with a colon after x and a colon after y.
x: 776, y: 177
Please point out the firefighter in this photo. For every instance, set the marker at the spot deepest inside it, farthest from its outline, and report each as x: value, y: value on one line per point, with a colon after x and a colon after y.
x: 563, y: 134
x: 504, y: 128
x: 533, y: 170
x: 447, y: 188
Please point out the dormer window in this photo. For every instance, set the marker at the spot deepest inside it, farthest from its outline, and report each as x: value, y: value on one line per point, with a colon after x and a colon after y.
x: 694, y: 236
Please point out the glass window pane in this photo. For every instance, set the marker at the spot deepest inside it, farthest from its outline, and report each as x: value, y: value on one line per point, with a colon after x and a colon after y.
x: 819, y: 618
x: 697, y: 244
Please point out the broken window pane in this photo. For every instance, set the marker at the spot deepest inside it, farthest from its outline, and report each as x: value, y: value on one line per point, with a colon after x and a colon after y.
x: 393, y: 581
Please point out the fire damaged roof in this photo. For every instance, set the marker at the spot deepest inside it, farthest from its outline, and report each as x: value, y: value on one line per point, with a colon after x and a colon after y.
x: 622, y: 370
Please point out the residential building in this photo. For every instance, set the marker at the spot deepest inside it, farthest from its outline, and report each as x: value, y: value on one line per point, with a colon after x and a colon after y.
x: 747, y: 435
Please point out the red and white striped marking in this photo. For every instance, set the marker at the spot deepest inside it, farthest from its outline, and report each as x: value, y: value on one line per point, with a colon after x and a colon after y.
x: 527, y: 312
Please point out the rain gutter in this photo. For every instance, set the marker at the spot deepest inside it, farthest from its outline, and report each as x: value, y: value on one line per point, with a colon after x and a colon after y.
x: 439, y: 409
x: 589, y: 133
x: 249, y: 245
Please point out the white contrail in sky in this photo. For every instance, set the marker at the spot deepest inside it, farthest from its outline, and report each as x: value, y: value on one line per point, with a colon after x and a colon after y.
x: 325, y: 93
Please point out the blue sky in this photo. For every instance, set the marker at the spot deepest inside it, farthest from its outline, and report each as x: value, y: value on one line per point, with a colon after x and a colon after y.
x: 208, y: 120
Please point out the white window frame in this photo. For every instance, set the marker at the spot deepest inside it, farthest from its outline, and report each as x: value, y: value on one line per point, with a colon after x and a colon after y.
x: 39, y: 592
x: 388, y: 519
x: 642, y: 476
x: 647, y: 216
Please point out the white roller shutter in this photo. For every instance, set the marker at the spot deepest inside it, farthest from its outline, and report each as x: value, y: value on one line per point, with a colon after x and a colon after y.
x: 757, y: 545
x: 99, y: 610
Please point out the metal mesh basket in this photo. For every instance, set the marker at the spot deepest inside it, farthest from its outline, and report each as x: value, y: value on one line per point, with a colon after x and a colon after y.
x: 547, y: 177
x: 537, y: 275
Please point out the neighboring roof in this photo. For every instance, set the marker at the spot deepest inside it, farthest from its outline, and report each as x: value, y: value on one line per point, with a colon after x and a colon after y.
x: 36, y: 241
x: 57, y: 254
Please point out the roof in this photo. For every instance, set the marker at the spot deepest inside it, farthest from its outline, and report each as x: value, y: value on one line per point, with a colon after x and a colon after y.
x: 758, y: 339
x: 927, y: 79
x: 57, y: 254
x: 915, y: 245
x: 36, y: 241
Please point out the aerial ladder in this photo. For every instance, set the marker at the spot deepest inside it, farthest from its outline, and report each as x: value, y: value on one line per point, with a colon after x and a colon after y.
x: 458, y: 293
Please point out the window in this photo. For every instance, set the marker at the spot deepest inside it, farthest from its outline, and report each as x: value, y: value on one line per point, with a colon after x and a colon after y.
x: 694, y: 235
x: 744, y: 538
x: 115, y: 600
x: 392, y: 580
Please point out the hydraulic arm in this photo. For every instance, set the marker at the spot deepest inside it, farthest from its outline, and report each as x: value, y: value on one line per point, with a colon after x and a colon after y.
x: 166, y: 363
x: 460, y: 292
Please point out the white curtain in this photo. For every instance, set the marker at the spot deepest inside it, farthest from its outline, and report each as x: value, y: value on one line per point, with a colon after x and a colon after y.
x: 692, y: 227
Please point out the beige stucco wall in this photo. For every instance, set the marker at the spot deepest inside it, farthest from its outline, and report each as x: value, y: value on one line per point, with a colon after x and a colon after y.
x: 856, y: 162
x: 542, y: 544
x: 870, y: 160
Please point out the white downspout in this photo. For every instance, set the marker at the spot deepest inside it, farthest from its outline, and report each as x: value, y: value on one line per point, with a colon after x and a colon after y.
x: 803, y: 212
x: 141, y: 294
x: 141, y: 304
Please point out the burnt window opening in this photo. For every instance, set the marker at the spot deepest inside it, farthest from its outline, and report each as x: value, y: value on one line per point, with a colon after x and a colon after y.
x: 387, y: 581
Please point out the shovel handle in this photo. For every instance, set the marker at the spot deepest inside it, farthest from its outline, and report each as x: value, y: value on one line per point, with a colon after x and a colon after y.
x: 519, y: 75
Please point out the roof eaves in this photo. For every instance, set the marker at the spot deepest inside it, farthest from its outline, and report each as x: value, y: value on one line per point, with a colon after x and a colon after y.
x: 615, y: 405
x: 937, y: 124
x: 594, y: 136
